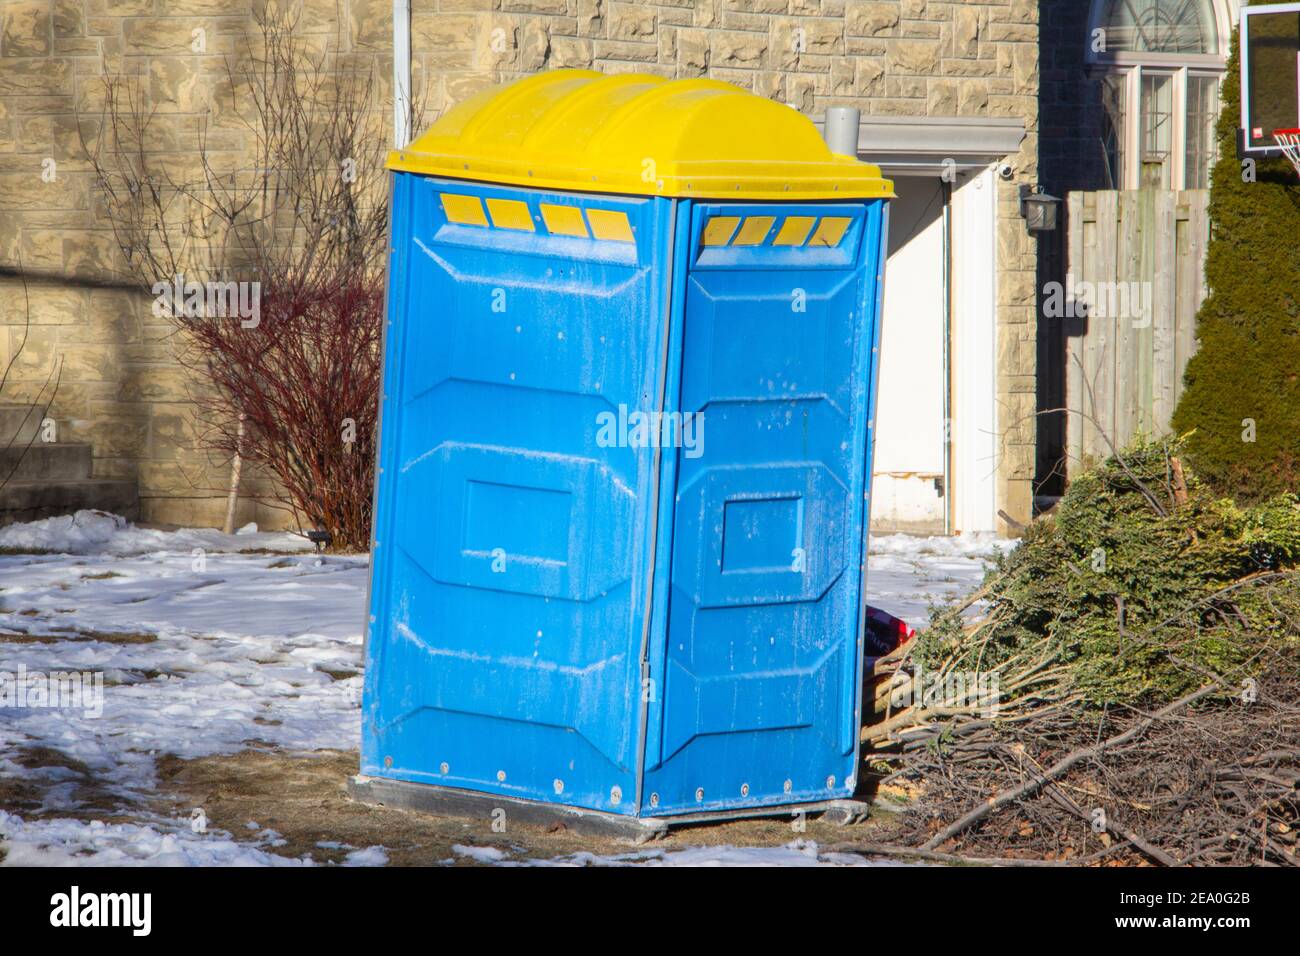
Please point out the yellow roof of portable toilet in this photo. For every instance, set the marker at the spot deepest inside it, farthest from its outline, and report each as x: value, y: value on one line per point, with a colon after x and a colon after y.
x: 640, y: 135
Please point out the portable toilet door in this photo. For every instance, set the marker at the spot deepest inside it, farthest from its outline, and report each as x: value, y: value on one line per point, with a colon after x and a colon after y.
x: 761, y: 664
x: 621, y: 504
x: 511, y: 541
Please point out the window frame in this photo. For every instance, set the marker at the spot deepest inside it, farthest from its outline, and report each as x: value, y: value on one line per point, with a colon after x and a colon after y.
x: 1130, y: 66
x: 1224, y: 21
x: 1212, y: 144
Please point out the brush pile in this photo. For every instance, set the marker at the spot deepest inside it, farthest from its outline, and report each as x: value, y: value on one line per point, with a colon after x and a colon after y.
x: 1125, y: 687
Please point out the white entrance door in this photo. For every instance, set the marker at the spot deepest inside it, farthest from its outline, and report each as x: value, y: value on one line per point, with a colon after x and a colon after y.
x: 908, y: 486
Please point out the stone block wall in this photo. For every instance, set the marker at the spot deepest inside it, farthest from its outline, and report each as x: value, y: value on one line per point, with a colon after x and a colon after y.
x: 121, y: 387
x: 1070, y: 102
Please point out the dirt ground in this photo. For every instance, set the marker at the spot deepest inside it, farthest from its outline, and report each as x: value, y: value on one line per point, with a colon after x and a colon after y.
x: 303, y: 798
x: 27, y: 795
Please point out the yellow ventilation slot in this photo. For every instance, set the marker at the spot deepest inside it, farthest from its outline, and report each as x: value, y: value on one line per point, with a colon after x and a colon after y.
x: 754, y: 231
x: 719, y: 230
x: 464, y: 210
x: 610, y: 224
x: 563, y: 220
x: 794, y: 230
x: 830, y: 231
x: 510, y: 214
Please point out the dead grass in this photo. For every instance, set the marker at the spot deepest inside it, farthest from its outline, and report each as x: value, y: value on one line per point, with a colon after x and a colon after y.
x: 334, y: 673
x: 79, y: 634
x: 303, y: 798
x: 26, y: 795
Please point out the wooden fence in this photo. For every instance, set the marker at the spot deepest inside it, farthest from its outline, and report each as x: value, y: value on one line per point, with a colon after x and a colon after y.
x: 1135, y: 277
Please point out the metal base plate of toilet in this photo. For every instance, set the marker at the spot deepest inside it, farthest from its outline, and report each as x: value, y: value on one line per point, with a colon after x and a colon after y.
x: 451, y: 802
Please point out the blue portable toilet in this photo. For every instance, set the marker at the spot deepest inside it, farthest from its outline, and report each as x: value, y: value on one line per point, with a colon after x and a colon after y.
x: 625, y: 456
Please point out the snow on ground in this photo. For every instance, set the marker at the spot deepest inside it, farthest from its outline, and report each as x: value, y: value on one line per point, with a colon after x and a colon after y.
x: 74, y: 843
x: 95, y: 532
x: 795, y: 853
x: 210, y: 643
x: 907, y: 575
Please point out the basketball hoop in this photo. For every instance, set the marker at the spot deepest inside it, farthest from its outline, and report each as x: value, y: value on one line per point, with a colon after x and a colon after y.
x: 1288, y: 140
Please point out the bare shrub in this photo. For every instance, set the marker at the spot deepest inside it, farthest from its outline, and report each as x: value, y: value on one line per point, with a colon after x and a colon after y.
x: 11, y: 444
x: 299, y: 236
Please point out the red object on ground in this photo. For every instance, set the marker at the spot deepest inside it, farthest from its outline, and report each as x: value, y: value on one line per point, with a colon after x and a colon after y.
x: 884, y: 632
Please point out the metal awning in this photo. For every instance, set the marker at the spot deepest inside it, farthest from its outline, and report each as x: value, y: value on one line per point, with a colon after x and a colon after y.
x: 921, y: 144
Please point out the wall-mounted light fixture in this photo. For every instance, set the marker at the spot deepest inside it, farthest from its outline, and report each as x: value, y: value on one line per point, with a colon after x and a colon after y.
x: 1040, y: 210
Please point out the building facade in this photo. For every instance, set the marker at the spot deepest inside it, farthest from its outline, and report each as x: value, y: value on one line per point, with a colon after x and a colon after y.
x: 960, y: 101
x: 1129, y: 98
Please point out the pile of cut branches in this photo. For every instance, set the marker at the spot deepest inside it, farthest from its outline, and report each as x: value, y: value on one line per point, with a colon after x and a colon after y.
x: 1125, y: 685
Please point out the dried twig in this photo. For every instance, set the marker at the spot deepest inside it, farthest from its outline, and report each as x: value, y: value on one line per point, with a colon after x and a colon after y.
x: 976, y: 814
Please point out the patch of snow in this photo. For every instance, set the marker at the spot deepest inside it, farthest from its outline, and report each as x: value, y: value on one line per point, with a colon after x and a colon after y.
x: 978, y: 545
x: 77, y: 843
x: 97, y: 532
x: 95, y: 843
x: 480, y: 854
x: 225, y: 651
x: 370, y: 856
x: 907, y: 575
x: 796, y: 853
x: 269, y: 837
x: 230, y: 650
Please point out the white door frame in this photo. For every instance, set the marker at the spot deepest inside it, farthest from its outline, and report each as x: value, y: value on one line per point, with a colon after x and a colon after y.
x: 974, y: 353
x: 971, y: 149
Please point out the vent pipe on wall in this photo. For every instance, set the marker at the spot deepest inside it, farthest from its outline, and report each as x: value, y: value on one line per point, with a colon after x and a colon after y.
x: 401, y: 73
x: 841, y: 130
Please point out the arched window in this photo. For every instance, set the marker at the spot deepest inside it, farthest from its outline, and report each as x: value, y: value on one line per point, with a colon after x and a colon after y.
x: 1160, y: 64
x: 1161, y: 26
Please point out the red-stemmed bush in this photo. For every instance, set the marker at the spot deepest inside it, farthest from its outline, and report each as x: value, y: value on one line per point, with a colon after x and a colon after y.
x: 297, y: 398
x: 293, y: 390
